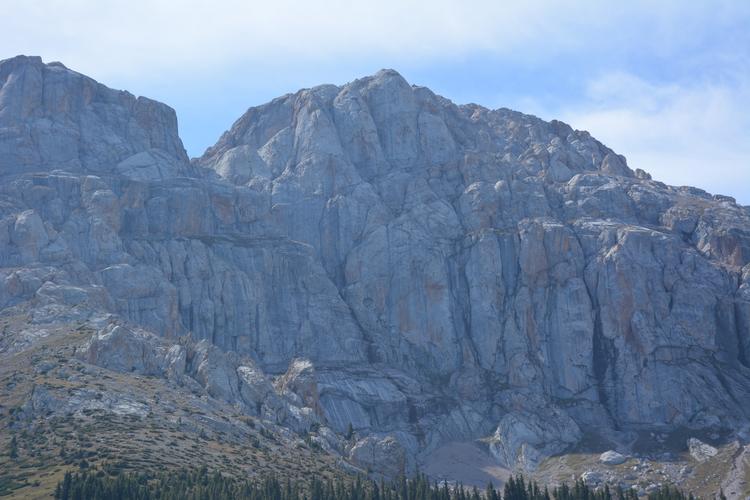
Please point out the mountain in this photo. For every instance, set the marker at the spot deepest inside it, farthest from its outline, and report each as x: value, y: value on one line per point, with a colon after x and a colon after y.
x: 370, y: 273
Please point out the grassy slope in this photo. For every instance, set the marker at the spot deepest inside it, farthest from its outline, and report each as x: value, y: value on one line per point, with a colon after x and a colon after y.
x: 179, y: 429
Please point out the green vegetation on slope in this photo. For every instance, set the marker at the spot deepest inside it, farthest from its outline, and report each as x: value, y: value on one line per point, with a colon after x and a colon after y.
x: 202, y: 484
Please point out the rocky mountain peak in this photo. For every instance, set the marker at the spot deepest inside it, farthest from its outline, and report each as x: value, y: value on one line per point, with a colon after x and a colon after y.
x: 386, y: 81
x: 381, y: 124
x: 414, y: 273
x: 55, y: 118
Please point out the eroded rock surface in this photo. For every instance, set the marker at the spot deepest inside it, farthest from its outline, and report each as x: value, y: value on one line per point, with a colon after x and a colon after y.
x: 421, y: 272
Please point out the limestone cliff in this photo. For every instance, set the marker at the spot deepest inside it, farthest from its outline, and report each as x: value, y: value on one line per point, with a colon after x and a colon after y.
x: 426, y: 272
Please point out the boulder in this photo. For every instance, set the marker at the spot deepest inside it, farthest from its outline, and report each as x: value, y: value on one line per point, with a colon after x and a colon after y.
x: 523, y: 439
x: 592, y: 478
x: 611, y: 457
x: 300, y: 380
x: 701, y: 451
x: 382, y: 454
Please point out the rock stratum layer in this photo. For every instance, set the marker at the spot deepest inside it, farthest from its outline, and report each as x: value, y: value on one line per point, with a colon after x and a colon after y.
x: 377, y: 261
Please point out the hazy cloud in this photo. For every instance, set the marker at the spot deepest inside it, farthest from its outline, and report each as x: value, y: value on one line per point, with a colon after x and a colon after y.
x: 147, y: 35
x: 695, y: 134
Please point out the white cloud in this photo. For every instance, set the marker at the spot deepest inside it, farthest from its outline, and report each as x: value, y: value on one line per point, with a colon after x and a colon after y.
x: 695, y: 134
x: 109, y: 38
x: 149, y: 34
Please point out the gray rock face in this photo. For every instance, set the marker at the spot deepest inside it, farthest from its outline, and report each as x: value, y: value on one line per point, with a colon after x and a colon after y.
x: 448, y: 272
x: 224, y: 376
x: 384, y: 454
x: 54, y: 118
x: 701, y: 451
x: 523, y: 439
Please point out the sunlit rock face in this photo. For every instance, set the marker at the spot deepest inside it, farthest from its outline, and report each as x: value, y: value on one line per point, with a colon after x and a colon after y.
x: 423, y: 272
x: 52, y: 117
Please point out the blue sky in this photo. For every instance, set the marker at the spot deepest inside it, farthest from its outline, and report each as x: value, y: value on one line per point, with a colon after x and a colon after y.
x: 665, y: 83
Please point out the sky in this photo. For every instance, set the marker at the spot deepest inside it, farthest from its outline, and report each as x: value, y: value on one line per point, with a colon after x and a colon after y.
x: 665, y: 83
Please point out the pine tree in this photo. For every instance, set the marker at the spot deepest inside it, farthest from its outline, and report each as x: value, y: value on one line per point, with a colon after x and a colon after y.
x: 13, y: 448
x: 490, y: 493
x: 65, y: 490
x: 200, y: 484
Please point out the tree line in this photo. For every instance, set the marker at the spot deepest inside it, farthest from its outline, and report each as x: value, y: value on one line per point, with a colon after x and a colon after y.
x: 200, y: 484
